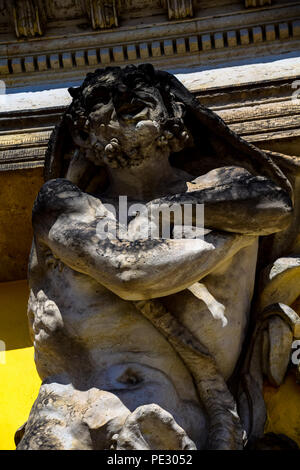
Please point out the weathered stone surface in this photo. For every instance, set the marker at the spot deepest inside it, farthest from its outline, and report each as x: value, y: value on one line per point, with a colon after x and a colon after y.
x: 77, y: 25
x: 102, y: 14
x: 150, y: 427
x: 124, y: 319
x: 178, y: 9
x: 29, y: 17
x: 280, y: 282
x: 66, y: 419
x: 257, y: 3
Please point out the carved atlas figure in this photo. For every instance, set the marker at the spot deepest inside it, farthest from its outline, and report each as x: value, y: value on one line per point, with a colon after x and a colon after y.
x: 158, y: 343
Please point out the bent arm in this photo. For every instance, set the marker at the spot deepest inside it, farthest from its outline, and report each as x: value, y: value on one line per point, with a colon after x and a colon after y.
x: 65, y: 220
x: 236, y: 201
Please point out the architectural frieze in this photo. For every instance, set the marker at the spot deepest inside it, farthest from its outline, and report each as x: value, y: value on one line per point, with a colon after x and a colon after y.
x: 178, y: 9
x: 29, y: 17
x: 102, y: 14
x: 257, y: 3
x: 192, y: 42
x: 261, y: 112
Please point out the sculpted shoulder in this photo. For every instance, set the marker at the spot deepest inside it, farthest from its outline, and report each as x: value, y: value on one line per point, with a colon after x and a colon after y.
x: 61, y: 199
x: 55, y: 195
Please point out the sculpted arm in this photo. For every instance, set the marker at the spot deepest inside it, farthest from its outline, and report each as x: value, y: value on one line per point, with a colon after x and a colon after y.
x: 65, y: 220
x: 236, y: 201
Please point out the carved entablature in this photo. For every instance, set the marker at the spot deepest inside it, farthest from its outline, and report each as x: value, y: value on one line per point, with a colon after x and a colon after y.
x: 132, y: 6
x: 257, y: 3
x: 179, y: 9
x: 29, y: 17
x: 102, y: 13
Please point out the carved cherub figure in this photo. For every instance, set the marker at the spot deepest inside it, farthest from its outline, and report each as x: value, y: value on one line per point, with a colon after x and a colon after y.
x: 137, y: 341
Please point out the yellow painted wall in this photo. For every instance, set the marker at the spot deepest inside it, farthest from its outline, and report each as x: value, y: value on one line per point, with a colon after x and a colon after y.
x: 283, y: 406
x: 19, y: 381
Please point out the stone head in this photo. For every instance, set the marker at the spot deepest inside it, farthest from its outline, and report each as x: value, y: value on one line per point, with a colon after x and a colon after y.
x: 122, y: 117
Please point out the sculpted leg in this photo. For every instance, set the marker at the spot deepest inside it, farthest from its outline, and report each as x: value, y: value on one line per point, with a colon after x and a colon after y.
x: 63, y: 418
x: 225, y: 430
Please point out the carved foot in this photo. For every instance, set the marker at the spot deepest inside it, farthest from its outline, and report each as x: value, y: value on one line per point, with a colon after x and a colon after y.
x: 150, y: 427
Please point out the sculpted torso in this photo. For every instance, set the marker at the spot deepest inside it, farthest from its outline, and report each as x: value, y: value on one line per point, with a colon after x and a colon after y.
x: 86, y: 326
x: 120, y: 351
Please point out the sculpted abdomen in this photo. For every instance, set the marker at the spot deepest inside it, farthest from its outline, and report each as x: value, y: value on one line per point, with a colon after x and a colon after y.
x: 103, y: 328
x: 95, y: 339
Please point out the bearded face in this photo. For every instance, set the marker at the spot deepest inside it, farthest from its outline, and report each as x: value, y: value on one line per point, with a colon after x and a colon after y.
x: 127, y: 122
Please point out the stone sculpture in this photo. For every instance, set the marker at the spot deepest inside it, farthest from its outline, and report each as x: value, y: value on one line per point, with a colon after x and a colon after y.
x: 155, y: 343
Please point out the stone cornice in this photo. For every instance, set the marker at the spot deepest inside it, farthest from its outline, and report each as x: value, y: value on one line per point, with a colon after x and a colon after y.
x: 30, y: 17
x: 257, y: 3
x: 205, y: 39
x: 179, y: 9
x: 101, y: 14
x: 261, y: 112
